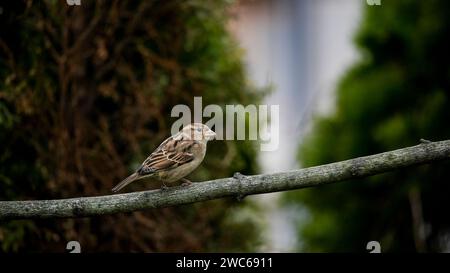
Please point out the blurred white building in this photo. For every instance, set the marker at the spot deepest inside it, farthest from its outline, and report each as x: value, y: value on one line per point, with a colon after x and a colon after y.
x: 301, y: 48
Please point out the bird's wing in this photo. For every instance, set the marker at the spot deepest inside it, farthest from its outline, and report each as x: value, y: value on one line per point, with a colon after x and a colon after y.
x: 170, y: 154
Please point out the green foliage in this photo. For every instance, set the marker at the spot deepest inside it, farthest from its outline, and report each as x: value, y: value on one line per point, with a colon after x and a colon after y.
x: 86, y: 94
x: 396, y: 94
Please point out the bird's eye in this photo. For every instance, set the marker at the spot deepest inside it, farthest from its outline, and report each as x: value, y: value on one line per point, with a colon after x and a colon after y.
x: 199, y: 129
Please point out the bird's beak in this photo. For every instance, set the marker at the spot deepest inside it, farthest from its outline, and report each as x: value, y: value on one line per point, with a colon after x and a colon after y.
x: 210, y: 134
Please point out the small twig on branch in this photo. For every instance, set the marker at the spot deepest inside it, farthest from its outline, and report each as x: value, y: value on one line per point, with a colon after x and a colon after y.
x: 239, y: 177
x: 237, y: 186
x: 424, y: 141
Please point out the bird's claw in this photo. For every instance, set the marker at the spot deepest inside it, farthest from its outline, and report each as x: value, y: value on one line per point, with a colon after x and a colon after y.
x: 186, y: 182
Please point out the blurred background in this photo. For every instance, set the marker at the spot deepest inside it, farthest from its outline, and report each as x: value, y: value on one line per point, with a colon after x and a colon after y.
x: 86, y: 94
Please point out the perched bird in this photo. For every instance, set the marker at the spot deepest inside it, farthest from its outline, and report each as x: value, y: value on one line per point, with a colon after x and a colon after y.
x: 175, y: 158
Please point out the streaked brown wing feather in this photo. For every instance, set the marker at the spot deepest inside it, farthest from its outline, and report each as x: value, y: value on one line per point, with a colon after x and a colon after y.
x: 170, y: 154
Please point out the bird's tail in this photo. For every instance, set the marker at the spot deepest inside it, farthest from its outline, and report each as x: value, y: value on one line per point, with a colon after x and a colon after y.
x: 126, y: 181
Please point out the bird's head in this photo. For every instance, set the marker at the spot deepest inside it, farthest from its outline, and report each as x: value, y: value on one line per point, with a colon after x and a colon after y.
x: 197, y: 131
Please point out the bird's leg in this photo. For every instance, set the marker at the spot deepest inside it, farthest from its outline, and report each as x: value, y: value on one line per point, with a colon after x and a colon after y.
x: 164, y: 187
x: 186, y: 182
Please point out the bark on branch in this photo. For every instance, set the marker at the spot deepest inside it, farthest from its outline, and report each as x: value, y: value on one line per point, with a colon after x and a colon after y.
x: 238, y: 186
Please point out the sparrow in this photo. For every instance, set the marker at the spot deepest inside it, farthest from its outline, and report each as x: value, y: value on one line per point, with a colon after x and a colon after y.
x: 175, y: 157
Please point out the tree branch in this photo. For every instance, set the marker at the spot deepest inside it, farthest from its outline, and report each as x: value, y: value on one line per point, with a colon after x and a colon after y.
x: 238, y: 186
